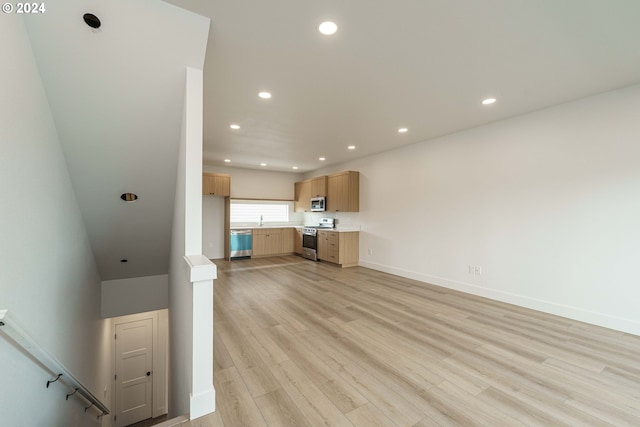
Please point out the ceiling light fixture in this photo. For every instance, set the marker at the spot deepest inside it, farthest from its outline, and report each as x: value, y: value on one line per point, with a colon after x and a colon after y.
x: 129, y: 197
x: 351, y: 147
x: 403, y: 130
x: 91, y: 20
x: 263, y: 164
x: 488, y: 101
x: 295, y: 168
x: 322, y: 159
x: 264, y: 95
x: 234, y: 126
x: 227, y: 160
x: 328, y: 28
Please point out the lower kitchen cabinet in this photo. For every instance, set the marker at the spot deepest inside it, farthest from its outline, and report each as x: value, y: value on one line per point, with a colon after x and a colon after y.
x: 287, y: 240
x: 272, y: 241
x: 339, y: 247
x: 259, y: 243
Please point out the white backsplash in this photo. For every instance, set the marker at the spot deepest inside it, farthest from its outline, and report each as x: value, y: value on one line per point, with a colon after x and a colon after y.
x: 295, y: 218
x: 343, y: 219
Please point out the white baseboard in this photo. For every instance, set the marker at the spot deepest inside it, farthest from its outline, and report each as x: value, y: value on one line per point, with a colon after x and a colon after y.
x: 570, y: 312
x: 202, y: 404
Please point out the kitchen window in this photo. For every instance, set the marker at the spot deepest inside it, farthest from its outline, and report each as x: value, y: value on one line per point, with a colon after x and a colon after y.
x: 249, y: 211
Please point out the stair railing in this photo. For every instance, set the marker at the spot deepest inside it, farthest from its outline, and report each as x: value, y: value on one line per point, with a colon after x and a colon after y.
x: 21, y: 339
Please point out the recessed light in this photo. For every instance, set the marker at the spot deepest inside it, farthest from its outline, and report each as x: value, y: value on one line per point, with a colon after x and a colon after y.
x: 91, y: 20
x: 322, y: 159
x: 263, y: 164
x: 351, y: 147
x: 488, y: 101
x: 295, y: 168
x: 264, y: 95
x: 129, y: 197
x: 403, y: 130
x: 227, y: 160
x: 234, y: 126
x: 328, y: 28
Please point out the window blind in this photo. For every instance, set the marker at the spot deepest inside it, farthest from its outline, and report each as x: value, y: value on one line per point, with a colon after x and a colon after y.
x: 248, y: 211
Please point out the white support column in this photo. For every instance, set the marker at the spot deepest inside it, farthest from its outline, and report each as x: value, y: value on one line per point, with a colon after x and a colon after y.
x: 203, y: 395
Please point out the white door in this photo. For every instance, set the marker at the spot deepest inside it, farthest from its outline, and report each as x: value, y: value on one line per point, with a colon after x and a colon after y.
x: 134, y: 361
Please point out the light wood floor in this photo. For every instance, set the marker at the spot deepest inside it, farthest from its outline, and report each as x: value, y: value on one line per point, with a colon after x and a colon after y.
x: 299, y: 343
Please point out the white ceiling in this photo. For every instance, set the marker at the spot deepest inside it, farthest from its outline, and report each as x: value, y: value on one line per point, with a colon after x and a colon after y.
x: 116, y: 95
x: 423, y: 64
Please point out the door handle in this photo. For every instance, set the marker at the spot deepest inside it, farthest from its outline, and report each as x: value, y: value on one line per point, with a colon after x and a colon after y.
x: 148, y: 373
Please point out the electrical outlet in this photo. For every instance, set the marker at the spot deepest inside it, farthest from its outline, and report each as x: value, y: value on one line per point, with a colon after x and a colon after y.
x: 478, y: 270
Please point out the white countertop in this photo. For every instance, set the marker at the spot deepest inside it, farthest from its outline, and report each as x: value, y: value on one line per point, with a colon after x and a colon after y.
x: 253, y: 227
x: 342, y: 229
x: 346, y: 228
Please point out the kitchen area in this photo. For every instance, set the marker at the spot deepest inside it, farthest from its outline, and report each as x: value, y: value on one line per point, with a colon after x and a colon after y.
x: 318, y: 223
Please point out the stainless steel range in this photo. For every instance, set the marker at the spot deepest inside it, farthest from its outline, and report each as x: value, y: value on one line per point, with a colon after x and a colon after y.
x: 310, y: 238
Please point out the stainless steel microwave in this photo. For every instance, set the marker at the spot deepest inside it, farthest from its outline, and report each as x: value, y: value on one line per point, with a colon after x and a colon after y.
x: 318, y: 204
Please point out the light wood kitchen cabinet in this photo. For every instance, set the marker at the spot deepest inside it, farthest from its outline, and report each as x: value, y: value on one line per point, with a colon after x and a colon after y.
x: 297, y: 241
x: 259, y: 242
x: 287, y: 240
x: 302, y: 194
x: 216, y: 184
x: 322, y: 244
x: 343, y: 192
x: 318, y: 186
x: 272, y: 241
x: 339, y: 247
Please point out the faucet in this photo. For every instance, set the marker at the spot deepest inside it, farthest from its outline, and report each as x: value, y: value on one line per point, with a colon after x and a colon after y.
x: 260, y: 220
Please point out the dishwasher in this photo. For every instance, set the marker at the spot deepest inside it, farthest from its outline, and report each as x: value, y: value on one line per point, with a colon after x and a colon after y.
x: 241, y: 244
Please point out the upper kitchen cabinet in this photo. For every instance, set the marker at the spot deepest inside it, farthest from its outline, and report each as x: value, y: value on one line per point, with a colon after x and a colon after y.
x: 302, y: 191
x: 319, y: 186
x: 305, y: 190
x: 343, y: 192
x: 216, y: 184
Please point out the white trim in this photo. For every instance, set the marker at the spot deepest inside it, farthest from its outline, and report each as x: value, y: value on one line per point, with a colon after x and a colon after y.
x: 592, y: 317
x: 201, y: 268
x: 202, y: 403
x: 202, y: 272
x: 159, y: 359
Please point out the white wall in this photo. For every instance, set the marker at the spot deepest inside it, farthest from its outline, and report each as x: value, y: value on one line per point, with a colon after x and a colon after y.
x: 134, y: 295
x: 48, y: 277
x: 258, y: 184
x: 547, y: 203
x: 213, y: 227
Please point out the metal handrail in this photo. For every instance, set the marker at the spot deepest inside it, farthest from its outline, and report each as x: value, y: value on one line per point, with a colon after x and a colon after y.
x: 11, y: 328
